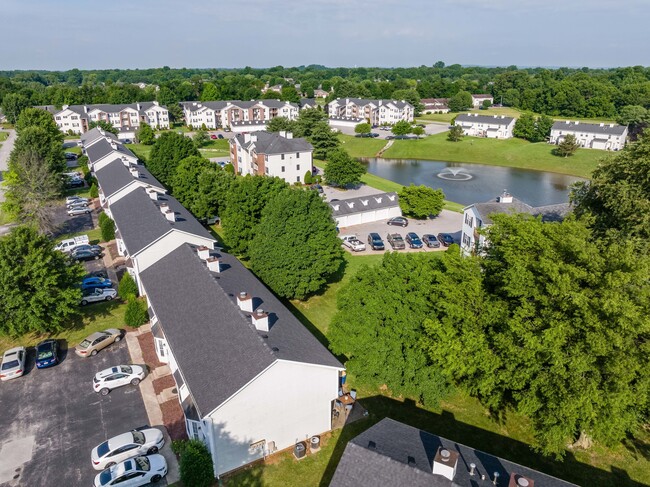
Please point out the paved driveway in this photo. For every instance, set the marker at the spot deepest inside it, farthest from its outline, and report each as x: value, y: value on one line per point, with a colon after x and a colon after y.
x: 51, y: 419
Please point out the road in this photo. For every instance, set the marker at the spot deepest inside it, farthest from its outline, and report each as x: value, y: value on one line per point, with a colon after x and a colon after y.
x: 5, y: 149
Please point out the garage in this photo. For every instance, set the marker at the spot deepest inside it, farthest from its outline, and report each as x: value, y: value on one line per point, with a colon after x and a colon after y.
x: 365, y: 209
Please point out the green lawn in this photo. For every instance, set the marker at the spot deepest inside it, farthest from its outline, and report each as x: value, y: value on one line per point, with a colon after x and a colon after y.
x: 510, y: 152
x: 505, y: 111
x: 75, y: 150
x: 3, y: 136
x: 361, y: 147
x: 140, y: 150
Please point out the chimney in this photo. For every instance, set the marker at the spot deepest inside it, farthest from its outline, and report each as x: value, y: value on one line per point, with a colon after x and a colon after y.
x: 164, y: 207
x: 204, y: 252
x: 282, y: 133
x: 85, y: 109
x: 156, y: 103
x: 602, y: 124
x: 247, y: 138
x: 134, y: 172
x: 517, y: 480
x: 65, y: 107
x: 611, y: 125
x: 138, y: 106
x: 213, y: 264
x: 260, y: 320
x: 505, y: 197
x: 253, y: 138
x: 170, y: 215
x: 113, y: 145
x: 445, y: 462
x: 245, y: 302
x: 289, y: 135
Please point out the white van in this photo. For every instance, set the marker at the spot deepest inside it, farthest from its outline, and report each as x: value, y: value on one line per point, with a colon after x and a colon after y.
x: 69, y: 244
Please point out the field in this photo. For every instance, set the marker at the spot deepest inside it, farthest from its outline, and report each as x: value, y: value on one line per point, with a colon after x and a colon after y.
x: 214, y: 148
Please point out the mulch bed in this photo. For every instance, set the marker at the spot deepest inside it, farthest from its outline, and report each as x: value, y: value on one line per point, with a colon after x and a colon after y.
x: 112, y: 249
x: 173, y: 419
x: 148, y: 350
x: 162, y: 383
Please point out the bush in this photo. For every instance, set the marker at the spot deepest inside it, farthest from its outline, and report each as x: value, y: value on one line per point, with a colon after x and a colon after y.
x: 107, y: 227
x: 309, y: 179
x: 102, y: 218
x: 136, y: 313
x: 196, y: 464
x: 94, y: 191
x: 127, y: 286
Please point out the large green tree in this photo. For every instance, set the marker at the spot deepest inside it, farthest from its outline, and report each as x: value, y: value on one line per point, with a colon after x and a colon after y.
x: 460, y: 101
x: 455, y: 133
x: 421, y: 201
x: 38, y: 140
x: 567, y: 147
x: 168, y: 150
x: 295, y: 248
x: 362, y: 128
x: 342, y: 170
x: 323, y: 139
x: 13, y: 104
x: 552, y: 323
x: 35, y: 117
x: 635, y: 117
x: 39, y: 286
x: 308, y: 121
x: 185, y: 183
x: 213, y: 188
x: 524, y: 127
x: 402, y: 128
x: 104, y: 125
x: 145, y: 134
x: 278, y: 124
x: 378, y: 326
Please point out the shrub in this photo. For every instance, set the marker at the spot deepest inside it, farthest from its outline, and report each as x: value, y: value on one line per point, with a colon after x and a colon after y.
x: 136, y: 314
x: 107, y: 227
x: 94, y: 191
x: 127, y: 286
x: 309, y: 179
x: 102, y: 218
x: 196, y: 464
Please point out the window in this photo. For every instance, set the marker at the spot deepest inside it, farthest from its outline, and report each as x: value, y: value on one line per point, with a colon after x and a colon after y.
x: 297, y: 179
x: 282, y: 169
x: 282, y: 157
x: 297, y: 155
x: 297, y: 167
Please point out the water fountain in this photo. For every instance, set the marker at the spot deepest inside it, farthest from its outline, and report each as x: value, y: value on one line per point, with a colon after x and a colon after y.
x: 454, y: 174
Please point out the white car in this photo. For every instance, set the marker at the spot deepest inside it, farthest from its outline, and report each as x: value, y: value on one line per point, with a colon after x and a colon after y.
x: 353, y: 243
x: 118, y: 376
x: 127, y: 445
x: 93, y: 295
x: 134, y: 472
x: 78, y: 210
x: 13, y: 363
x: 69, y: 244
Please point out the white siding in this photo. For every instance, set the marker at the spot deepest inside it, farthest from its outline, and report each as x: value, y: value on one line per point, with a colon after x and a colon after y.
x: 162, y: 247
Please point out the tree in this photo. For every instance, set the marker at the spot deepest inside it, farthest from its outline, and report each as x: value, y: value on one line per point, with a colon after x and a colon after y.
x: 524, y: 127
x: 145, y: 134
x: 195, y: 466
x: 460, y: 101
x: 295, y: 248
x: 309, y: 120
x: 543, y: 126
x: 210, y: 92
x: 455, y: 134
x: 309, y: 177
x: 38, y: 140
x: 279, y: 124
x: 421, y: 201
x: 244, y: 203
x: 36, y: 117
x: 417, y: 131
x: 135, y: 314
x: 185, y: 183
x: 323, y: 140
x: 378, y: 326
x: 635, y: 117
x: 168, y: 150
x: 213, y: 188
x: 290, y: 94
x: 127, y: 287
x: 486, y: 104
x: 39, y: 286
x: 362, y: 128
x: 200, y: 138
x: 104, y: 125
x: 567, y: 147
x: 618, y: 195
x: 94, y: 191
x: 402, y: 128
x: 107, y: 228
x: 13, y: 104
x: 557, y: 329
x: 342, y: 170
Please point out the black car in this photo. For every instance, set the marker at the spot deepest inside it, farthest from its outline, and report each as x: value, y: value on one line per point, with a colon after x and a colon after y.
x: 363, y: 135
x: 445, y: 239
x: 413, y: 240
x: 317, y: 187
x: 219, y: 136
x: 47, y: 354
x: 431, y: 241
x: 374, y: 134
x: 85, y: 254
x: 375, y: 241
x: 75, y: 183
x: 101, y: 274
x: 400, y: 221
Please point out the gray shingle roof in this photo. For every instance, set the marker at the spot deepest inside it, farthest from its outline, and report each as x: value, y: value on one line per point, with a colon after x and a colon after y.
x: 102, y: 148
x: 364, y: 203
x: 94, y: 134
x: 214, y: 343
x: 115, y: 176
x: 590, y: 128
x: 548, y: 213
x: 364, y: 101
x: 476, y: 118
x: 221, y: 105
x: 140, y: 221
x: 274, y: 143
x: 392, y: 453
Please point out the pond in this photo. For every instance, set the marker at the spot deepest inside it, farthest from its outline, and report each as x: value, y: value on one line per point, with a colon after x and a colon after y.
x: 467, y: 183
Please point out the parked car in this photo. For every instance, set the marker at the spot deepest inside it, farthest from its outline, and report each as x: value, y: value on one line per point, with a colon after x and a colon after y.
x: 47, y: 353
x: 75, y: 183
x: 85, y: 254
x: 430, y: 241
x: 396, y: 241
x: 374, y: 134
x: 375, y: 241
x: 134, y: 472
x: 353, y: 243
x: 399, y: 221
x: 95, y: 295
x: 70, y: 244
x: 127, y: 445
x: 445, y: 239
x: 100, y: 273
x: 74, y: 200
x: 121, y: 375
x: 78, y: 210
x: 213, y: 136
x: 13, y: 363
x: 413, y: 240
x: 220, y: 136
x: 70, y: 156
x: 94, y: 248
x: 97, y: 341
x: 317, y: 187
x: 96, y: 282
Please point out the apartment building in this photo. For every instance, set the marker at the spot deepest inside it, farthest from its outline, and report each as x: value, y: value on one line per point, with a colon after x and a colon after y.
x: 375, y: 112
x: 477, y: 100
x: 493, y: 127
x: 603, y: 136
x: 237, y: 115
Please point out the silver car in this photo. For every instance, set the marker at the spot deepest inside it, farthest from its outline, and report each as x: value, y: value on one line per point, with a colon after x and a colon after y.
x: 127, y: 445
x: 95, y: 295
x: 13, y: 363
x: 76, y: 200
x: 78, y: 210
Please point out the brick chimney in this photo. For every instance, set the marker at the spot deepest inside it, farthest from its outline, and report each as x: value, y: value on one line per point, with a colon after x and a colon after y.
x: 153, y: 194
x: 260, y: 320
x: 245, y: 301
x: 204, y: 252
x: 213, y: 264
x: 445, y: 462
x: 134, y: 172
x: 170, y: 215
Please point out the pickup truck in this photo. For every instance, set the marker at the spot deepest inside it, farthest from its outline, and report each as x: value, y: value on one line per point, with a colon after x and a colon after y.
x: 69, y: 244
x: 396, y: 241
x: 353, y: 243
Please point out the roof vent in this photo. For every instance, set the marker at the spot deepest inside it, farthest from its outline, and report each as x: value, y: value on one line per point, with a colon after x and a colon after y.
x: 372, y: 444
x: 336, y: 207
x: 350, y: 204
x: 213, y: 264
x: 275, y: 349
x: 364, y: 202
x: 391, y: 197
x: 260, y: 320
x: 411, y: 461
x: 517, y: 480
x: 245, y: 302
x: 495, y: 478
x: 204, y: 252
x: 445, y: 462
x: 378, y: 199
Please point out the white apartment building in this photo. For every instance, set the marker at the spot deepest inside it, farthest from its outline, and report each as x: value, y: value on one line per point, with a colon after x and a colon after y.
x: 591, y: 135
x: 237, y: 115
x: 493, y: 127
x: 477, y: 100
x: 272, y: 154
x: 375, y: 112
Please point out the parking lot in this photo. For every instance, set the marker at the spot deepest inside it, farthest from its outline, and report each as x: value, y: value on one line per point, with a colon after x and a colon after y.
x: 429, y: 129
x: 51, y: 419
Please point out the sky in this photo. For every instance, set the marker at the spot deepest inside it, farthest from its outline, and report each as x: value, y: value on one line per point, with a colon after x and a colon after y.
x: 91, y: 34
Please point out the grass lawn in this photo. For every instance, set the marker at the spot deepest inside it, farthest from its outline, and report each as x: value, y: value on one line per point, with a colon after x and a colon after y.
x: 140, y: 150
x: 3, y: 136
x: 361, y: 147
x: 510, y: 152
x: 505, y: 111
x: 75, y: 150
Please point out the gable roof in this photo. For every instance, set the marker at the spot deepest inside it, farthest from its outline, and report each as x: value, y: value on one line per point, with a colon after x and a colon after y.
x: 223, y: 104
x: 94, y: 134
x: 215, y: 344
x: 591, y: 128
x: 548, y: 213
x: 476, y: 118
x: 103, y: 148
x: 115, y: 175
x: 482, y: 96
x: 140, y: 221
x: 392, y: 453
x: 360, y: 204
x: 273, y: 143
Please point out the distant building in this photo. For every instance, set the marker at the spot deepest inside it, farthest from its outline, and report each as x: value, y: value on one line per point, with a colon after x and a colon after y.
x: 590, y: 135
x: 320, y: 93
x: 308, y: 103
x: 237, y: 115
x: 478, y: 216
x: 477, y: 100
x: 435, y: 105
x: 493, y: 127
x: 272, y: 154
x: 375, y: 112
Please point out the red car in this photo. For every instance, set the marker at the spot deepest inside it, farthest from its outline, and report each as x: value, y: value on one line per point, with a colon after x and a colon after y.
x: 213, y: 136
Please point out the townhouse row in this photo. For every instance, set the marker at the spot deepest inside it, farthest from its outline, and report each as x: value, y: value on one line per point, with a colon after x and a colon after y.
x: 251, y: 379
